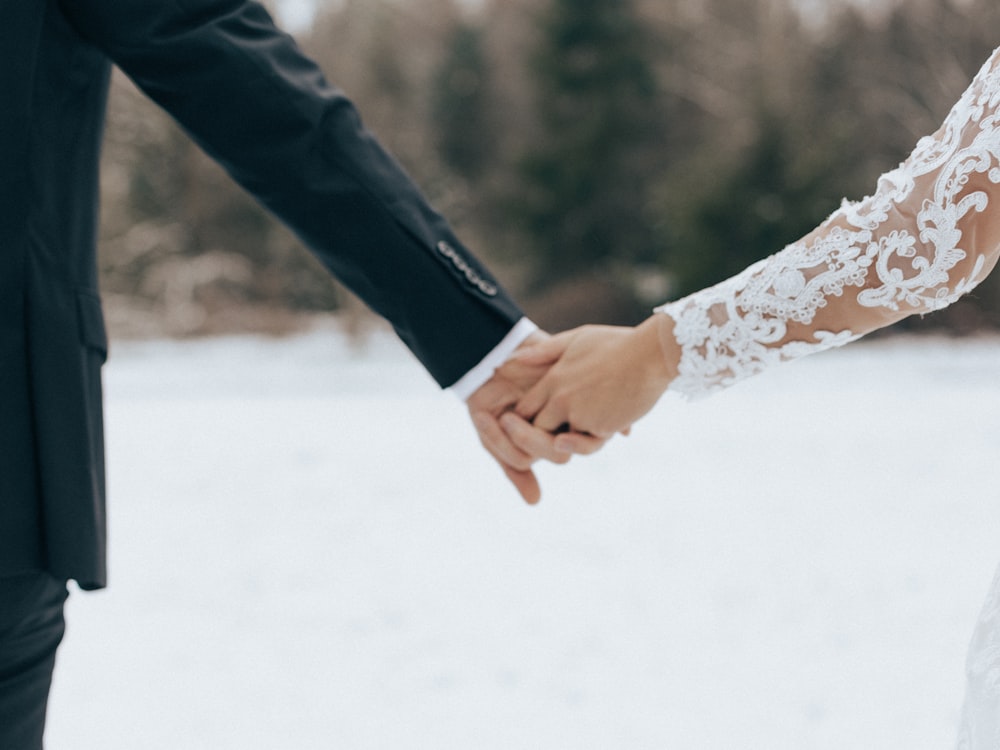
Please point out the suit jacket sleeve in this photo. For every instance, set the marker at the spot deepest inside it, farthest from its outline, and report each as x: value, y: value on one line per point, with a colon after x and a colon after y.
x: 246, y: 93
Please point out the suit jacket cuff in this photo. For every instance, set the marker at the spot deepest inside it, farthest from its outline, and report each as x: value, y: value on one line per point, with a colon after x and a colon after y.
x: 474, y: 378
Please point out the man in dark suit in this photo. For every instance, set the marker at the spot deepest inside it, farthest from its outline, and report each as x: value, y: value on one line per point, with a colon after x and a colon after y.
x: 247, y: 95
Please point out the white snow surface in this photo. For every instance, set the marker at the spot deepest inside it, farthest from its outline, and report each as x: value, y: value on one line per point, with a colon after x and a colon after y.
x: 310, y: 550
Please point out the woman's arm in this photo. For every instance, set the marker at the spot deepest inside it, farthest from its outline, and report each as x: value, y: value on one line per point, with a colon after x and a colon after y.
x: 928, y: 235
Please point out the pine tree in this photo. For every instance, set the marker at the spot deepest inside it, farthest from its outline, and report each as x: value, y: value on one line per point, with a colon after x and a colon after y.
x: 462, y: 119
x: 585, y: 181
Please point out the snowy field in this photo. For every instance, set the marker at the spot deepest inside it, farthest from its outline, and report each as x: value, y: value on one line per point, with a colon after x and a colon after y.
x: 310, y: 551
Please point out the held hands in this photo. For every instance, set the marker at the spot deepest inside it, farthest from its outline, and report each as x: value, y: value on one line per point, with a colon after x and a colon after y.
x: 570, y: 393
x: 516, y: 449
x: 601, y: 379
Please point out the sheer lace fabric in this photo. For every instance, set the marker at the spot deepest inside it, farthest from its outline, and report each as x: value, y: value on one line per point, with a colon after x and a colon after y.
x: 928, y: 235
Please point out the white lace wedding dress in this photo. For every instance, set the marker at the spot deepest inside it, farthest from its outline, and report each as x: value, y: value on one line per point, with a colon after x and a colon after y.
x: 928, y: 235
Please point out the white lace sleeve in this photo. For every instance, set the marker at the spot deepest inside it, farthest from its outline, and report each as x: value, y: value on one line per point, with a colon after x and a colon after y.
x: 927, y: 236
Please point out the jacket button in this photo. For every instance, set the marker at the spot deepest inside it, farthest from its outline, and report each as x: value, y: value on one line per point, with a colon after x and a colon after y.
x: 462, y: 266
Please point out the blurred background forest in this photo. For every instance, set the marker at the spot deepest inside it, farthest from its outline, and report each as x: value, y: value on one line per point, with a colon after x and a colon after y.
x: 601, y: 155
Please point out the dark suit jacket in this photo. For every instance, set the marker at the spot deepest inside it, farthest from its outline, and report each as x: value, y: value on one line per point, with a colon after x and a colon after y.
x: 247, y: 95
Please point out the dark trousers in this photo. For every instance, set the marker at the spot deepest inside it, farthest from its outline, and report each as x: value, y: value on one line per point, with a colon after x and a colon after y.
x: 31, y: 627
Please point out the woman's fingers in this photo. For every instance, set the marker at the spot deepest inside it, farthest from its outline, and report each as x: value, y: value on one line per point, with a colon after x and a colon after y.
x: 543, y: 352
x: 551, y: 417
x: 532, y: 402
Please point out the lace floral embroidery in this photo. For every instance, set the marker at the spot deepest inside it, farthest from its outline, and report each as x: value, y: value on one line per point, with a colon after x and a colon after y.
x: 899, y: 266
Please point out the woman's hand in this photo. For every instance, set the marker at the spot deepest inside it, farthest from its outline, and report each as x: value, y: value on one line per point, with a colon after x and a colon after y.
x: 600, y: 380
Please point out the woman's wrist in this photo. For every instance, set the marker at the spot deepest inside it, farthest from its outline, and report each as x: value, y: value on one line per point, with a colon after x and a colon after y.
x: 658, y: 350
x: 659, y: 329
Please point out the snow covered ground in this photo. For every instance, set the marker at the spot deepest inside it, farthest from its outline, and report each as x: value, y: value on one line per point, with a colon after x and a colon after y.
x: 310, y: 551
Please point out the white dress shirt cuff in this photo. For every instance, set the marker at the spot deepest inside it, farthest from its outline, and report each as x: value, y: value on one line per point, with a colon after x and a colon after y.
x: 470, y: 382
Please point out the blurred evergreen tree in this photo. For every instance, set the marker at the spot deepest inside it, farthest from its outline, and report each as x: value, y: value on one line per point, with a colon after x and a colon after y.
x: 585, y: 181
x: 462, y: 119
x: 765, y: 170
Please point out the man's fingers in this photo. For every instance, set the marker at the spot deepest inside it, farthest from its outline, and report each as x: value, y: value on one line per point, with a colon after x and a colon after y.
x: 526, y: 483
x: 495, y: 440
x: 516, y: 464
x: 532, y: 440
x: 578, y: 442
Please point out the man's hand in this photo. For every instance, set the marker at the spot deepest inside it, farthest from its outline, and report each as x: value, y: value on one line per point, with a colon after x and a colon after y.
x: 518, y: 444
x: 602, y: 379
